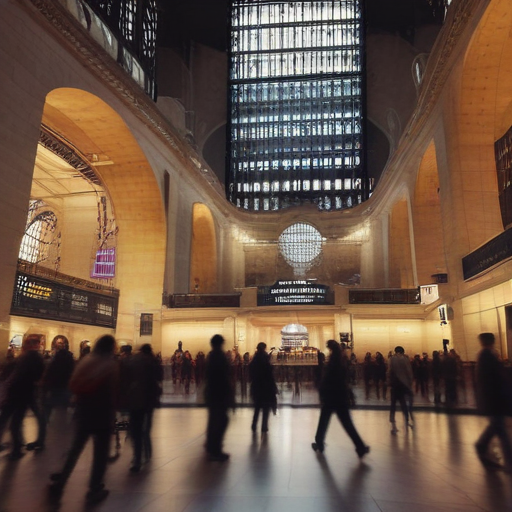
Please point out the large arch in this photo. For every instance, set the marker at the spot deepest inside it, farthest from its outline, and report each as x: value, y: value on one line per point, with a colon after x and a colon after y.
x: 102, y: 136
x: 203, y: 265
x: 484, y: 114
x: 426, y: 208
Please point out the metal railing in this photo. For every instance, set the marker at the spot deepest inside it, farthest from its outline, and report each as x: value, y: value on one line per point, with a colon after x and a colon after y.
x: 43, y: 293
x: 385, y: 296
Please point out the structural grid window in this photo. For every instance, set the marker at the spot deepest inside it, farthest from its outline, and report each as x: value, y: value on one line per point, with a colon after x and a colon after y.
x: 134, y: 25
x: 503, y: 154
x: 41, y: 241
x: 296, y: 104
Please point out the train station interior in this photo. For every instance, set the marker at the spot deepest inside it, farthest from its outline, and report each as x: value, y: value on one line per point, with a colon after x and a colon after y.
x: 270, y: 171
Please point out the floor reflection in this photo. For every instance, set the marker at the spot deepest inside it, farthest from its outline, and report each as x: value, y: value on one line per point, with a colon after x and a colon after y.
x: 430, y: 468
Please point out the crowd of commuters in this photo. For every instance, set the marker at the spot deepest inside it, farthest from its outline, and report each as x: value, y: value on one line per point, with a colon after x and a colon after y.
x: 443, y: 373
x: 98, y: 385
x: 441, y: 379
x: 104, y: 381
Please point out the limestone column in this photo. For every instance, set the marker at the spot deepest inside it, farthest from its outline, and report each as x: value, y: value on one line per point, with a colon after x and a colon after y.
x: 21, y: 107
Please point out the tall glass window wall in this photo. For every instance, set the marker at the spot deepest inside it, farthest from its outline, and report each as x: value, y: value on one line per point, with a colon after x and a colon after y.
x: 296, y: 130
x: 134, y: 24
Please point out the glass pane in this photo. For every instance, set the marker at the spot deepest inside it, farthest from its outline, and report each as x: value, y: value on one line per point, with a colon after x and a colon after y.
x: 296, y: 102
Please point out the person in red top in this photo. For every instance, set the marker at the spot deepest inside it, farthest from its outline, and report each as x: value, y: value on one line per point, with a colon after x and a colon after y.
x: 94, y: 383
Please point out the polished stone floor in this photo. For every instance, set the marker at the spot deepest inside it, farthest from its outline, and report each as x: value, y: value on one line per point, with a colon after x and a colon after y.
x: 306, y: 394
x: 430, y: 469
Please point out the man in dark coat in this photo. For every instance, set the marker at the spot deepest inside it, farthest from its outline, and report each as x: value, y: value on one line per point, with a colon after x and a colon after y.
x: 144, y: 391
x: 56, y: 378
x: 493, y: 400
x: 437, y: 375
x: 335, y: 397
x: 263, y: 386
x: 219, y: 398
x: 20, y: 389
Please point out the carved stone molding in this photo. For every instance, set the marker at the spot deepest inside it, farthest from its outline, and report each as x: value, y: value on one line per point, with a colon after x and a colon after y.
x: 75, y: 38
x: 54, y: 144
x: 444, y: 55
x: 438, y: 67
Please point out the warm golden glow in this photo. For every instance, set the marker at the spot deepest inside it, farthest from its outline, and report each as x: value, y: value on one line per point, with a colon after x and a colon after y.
x: 203, y: 263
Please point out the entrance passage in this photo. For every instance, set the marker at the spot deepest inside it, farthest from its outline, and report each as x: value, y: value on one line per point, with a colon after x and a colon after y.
x: 294, y: 336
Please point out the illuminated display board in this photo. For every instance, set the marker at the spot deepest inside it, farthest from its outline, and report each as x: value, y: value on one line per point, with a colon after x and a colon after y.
x: 283, y: 293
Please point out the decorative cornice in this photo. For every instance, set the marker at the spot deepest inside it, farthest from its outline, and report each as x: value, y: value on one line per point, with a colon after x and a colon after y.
x: 68, y: 31
x: 438, y: 66
x: 53, y: 143
x: 449, y: 44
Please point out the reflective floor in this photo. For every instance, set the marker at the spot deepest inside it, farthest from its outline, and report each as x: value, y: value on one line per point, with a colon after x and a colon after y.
x: 307, y: 394
x: 430, y: 469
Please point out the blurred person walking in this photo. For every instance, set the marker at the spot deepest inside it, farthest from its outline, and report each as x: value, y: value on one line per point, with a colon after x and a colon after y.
x: 380, y: 375
x: 425, y: 369
x: 494, y: 400
x: 95, y: 385
x: 56, y: 378
x: 263, y: 387
x: 437, y: 375
x: 450, y: 373
x: 19, y: 392
x: 400, y: 380
x: 144, y: 390
x: 368, y: 373
x: 335, y: 397
x: 219, y: 398
x: 187, y: 368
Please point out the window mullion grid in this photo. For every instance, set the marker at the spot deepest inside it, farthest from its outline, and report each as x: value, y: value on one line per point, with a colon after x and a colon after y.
x: 285, y: 71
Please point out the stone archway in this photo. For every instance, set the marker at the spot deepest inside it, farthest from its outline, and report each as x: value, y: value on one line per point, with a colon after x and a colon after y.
x: 103, y: 137
x: 483, y: 114
x: 294, y: 336
x: 203, y: 265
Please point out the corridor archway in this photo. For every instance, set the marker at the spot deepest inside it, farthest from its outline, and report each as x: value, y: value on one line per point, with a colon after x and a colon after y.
x: 86, y: 123
x: 203, y: 265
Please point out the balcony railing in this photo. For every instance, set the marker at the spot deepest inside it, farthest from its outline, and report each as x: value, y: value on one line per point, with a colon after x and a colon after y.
x: 203, y: 300
x: 385, y: 296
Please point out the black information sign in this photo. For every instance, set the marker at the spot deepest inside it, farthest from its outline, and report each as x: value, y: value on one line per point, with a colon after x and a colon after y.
x: 495, y: 251
x: 293, y: 293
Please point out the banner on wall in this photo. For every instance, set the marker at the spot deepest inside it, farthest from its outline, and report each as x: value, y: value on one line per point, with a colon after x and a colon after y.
x: 105, y: 264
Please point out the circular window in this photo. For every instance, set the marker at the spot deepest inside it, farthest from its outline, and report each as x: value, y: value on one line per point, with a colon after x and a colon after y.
x: 301, y: 245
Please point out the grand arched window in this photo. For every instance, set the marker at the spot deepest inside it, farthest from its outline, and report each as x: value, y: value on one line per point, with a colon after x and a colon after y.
x: 296, y: 111
x: 40, y: 234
